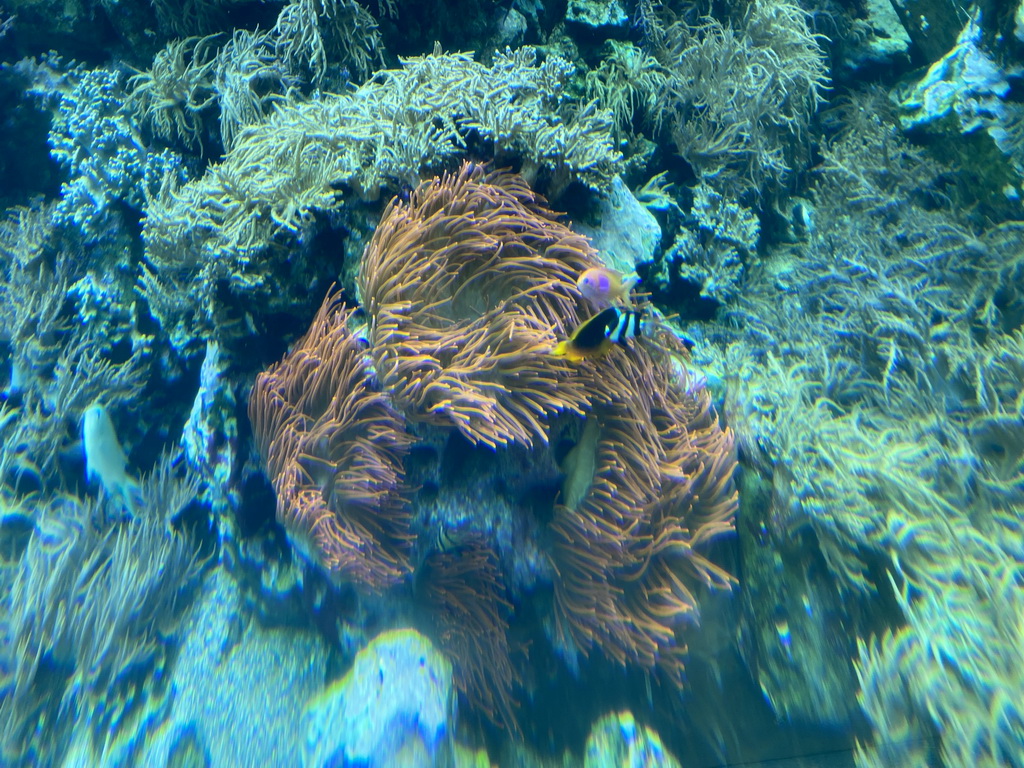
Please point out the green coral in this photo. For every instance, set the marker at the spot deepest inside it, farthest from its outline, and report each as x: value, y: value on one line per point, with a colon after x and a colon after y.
x: 313, y: 34
x: 172, y: 96
x: 874, y: 390
x: 628, y: 82
x: 280, y: 172
x: 739, y: 101
x: 946, y: 687
x: 60, y: 361
x: 250, y: 82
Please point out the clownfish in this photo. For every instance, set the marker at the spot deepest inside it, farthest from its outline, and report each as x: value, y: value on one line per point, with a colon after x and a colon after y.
x: 603, y: 286
x: 600, y: 333
x: 448, y: 537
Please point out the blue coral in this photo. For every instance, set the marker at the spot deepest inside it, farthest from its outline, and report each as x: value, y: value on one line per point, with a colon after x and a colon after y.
x: 93, y: 138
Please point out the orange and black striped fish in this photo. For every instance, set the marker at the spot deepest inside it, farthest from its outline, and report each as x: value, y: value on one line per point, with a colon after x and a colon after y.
x: 614, y: 325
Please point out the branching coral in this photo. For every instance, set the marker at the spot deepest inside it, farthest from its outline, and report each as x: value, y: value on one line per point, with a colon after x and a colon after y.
x: 883, y: 411
x: 32, y: 291
x: 311, y: 33
x: 94, y: 138
x: 57, y: 366
x: 175, y: 92
x: 871, y: 324
x: 862, y: 485
x: 948, y: 685
x: 628, y: 83
x: 250, y: 81
x: 741, y: 100
x: 392, y: 128
x: 333, y: 447
x: 715, y: 253
x: 203, y: 237
x: 876, y: 277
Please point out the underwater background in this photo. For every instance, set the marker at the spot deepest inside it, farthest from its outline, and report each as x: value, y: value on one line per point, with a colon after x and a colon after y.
x: 311, y: 455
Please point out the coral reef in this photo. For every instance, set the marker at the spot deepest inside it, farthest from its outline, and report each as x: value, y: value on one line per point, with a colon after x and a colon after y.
x: 467, y: 286
x: 966, y: 91
x: 174, y: 96
x: 628, y: 82
x: 93, y: 136
x: 57, y: 367
x: 740, y: 100
x: 830, y: 256
x: 311, y: 33
x: 868, y: 417
x: 715, y: 253
x: 219, y: 229
x: 90, y: 613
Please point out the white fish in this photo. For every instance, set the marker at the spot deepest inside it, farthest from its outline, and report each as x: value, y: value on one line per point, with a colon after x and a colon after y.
x: 105, y: 459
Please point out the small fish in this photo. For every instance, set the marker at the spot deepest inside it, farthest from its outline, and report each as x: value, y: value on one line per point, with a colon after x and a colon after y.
x: 105, y: 459
x: 597, y: 335
x: 604, y: 287
x: 448, y: 537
